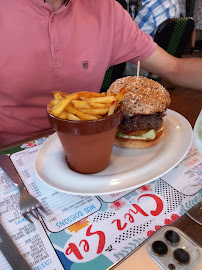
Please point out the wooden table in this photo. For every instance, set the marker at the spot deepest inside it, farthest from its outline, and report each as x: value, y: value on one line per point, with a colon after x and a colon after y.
x: 190, y: 109
x: 190, y: 227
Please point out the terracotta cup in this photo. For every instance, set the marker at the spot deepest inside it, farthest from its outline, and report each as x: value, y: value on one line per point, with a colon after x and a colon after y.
x: 87, y: 144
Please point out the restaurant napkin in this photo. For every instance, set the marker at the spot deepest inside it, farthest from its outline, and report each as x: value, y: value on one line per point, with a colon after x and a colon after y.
x: 198, y: 133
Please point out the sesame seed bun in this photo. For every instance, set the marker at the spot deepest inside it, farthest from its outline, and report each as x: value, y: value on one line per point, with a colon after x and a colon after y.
x: 144, y: 96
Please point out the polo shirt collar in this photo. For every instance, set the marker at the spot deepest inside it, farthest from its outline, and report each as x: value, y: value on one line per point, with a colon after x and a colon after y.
x: 65, y: 3
x: 42, y: 6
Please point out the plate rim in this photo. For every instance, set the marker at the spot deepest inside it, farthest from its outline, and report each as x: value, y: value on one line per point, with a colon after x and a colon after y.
x: 131, y: 188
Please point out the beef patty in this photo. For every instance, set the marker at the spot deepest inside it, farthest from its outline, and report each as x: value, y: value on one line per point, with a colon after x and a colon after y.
x: 139, y: 121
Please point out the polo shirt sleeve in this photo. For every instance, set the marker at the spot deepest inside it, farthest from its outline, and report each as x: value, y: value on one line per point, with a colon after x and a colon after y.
x: 129, y: 44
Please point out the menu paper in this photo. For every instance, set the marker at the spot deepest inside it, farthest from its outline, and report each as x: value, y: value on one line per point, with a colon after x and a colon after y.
x: 63, y: 209
x: 3, y: 262
x: 30, y: 239
x: 187, y: 172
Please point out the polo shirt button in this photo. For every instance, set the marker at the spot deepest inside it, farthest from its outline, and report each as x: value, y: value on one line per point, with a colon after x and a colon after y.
x: 52, y: 19
x: 56, y: 50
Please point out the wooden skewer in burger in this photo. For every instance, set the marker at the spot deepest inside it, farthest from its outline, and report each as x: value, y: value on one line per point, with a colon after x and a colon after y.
x: 144, y: 106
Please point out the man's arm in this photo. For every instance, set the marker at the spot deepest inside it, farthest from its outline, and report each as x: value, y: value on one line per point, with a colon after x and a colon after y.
x: 186, y: 72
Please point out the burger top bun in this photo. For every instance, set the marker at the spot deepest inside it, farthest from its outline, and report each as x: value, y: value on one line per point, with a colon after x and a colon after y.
x: 143, y: 97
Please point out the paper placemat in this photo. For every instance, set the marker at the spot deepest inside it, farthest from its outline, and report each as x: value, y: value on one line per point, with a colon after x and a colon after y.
x: 188, y: 172
x: 109, y: 227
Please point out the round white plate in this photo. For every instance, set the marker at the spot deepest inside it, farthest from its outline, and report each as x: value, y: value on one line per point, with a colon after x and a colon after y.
x: 128, y: 168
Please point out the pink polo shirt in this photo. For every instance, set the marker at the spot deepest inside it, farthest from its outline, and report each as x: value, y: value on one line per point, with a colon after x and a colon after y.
x: 67, y: 50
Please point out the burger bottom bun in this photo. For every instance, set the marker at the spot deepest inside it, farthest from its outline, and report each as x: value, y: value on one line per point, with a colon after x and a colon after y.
x: 140, y: 144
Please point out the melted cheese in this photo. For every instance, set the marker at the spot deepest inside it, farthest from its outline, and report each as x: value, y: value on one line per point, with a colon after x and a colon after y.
x: 149, y: 135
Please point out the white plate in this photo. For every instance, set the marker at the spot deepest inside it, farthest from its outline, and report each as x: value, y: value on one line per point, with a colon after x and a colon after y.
x: 128, y: 168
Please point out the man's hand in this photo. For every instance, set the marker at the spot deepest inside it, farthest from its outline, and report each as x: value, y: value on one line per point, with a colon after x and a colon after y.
x: 186, y: 72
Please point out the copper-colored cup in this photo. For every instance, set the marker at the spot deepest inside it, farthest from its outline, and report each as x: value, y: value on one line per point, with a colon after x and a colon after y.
x: 87, y: 144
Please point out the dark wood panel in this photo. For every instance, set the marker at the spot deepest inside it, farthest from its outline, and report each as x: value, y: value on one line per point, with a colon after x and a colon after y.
x: 189, y: 108
x: 190, y: 227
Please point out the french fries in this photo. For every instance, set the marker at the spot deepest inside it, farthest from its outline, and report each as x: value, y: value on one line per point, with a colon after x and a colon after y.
x: 62, y: 104
x: 63, y: 94
x: 99, y: 105
x: 80, y: 114
x: 102, y: 111
x: 84, y: 106
x: 106, y: 99
x: 73, y: 117
x: 112, y: 108
x: 58, y: 96
x: 81, y: 104
x: 120, y: 94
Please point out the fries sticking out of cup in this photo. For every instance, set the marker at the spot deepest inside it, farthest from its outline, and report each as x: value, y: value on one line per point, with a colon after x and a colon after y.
x: 86, y: 125
x: 84, y: 106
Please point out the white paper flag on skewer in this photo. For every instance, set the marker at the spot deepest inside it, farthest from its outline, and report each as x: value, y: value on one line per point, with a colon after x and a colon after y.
x: 138, y: 70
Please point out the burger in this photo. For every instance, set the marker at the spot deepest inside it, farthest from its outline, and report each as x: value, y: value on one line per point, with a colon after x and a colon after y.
x: 144, y: 106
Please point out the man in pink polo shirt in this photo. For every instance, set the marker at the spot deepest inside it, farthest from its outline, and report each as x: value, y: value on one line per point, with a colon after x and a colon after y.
x: 68, y: 46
